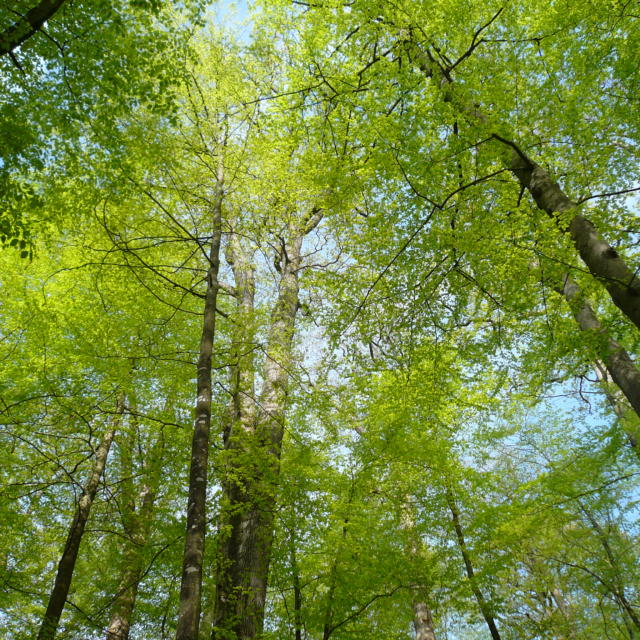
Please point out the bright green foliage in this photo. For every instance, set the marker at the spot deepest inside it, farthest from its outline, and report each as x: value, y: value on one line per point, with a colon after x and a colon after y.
x: 434, y: 363
x: 64, y: 91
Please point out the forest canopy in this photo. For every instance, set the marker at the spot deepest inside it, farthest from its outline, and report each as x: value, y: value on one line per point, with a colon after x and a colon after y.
x: 319, y: 320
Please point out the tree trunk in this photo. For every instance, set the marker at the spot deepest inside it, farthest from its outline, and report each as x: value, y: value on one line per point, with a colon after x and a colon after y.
x: 191, y: 586
x: 66, y: 566
x: 551, y: 599
x: 29, y: 24
x: 601, y: 258
x: 482, y: 603
x: 619, y: 364
x: 422, y: 621
x: 254, y: 447
x: 133, y: 564
x: 564, y: 609
x: 137, y: 517
x: 238, y: 435
x: 422, y: 618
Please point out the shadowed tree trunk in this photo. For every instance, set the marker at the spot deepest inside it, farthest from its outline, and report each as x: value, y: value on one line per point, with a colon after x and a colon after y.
x: 601, y: 258
x: 137, y: 515
x: 191, y: 585
x: 27, y: 25
x: 422, y: 618
x: 297, y: 590
x: 253, y: 467
x: 66, y: 566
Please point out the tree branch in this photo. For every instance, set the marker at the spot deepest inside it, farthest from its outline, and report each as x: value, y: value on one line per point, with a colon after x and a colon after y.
x: 27, y: 25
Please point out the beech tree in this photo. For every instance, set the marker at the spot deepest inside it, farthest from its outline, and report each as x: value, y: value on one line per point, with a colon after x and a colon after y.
x: 322, y: 326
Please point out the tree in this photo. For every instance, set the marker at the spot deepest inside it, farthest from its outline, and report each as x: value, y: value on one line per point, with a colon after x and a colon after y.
x: 416, y: 409
x: 66, y: 566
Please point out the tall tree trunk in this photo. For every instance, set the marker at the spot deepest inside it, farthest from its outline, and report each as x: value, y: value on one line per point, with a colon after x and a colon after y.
x: 27, y: 25
x: 239, y: 433
x: 422, y: 620
x: 66, y: 566
x: 191, y: 585
x: 137, y: 517
x: 255, y: 446
x: 602, y: 260
x: 619, y: 364
x: 462, y: 545
x: 422, y: 617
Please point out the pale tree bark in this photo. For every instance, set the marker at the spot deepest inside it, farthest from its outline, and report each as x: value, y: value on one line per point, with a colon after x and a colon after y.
x: 483, y: 605
x: 27, y: 25
x: 137, y: 515
x: 617, y: 361
x: 242, y: 407
x: 66, y: 566
x: 422, y: 616
x: 602, y: 260
x: 422, y: 620
x: 238, y: 435
x: 255, y: 445
x: 191, y: 585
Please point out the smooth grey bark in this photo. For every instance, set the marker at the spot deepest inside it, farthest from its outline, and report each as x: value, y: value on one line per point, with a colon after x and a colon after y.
x: 468, y: 565
x: 422, y: 617
x: 238, y: 437
x: 191, y: 585
x: 254, y: 445
x: 27, y: 25
x: 423, y: 621
x: 137, y: 515
x: 619, y: 364
x: 602, y: 260
x: 66, y: 566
